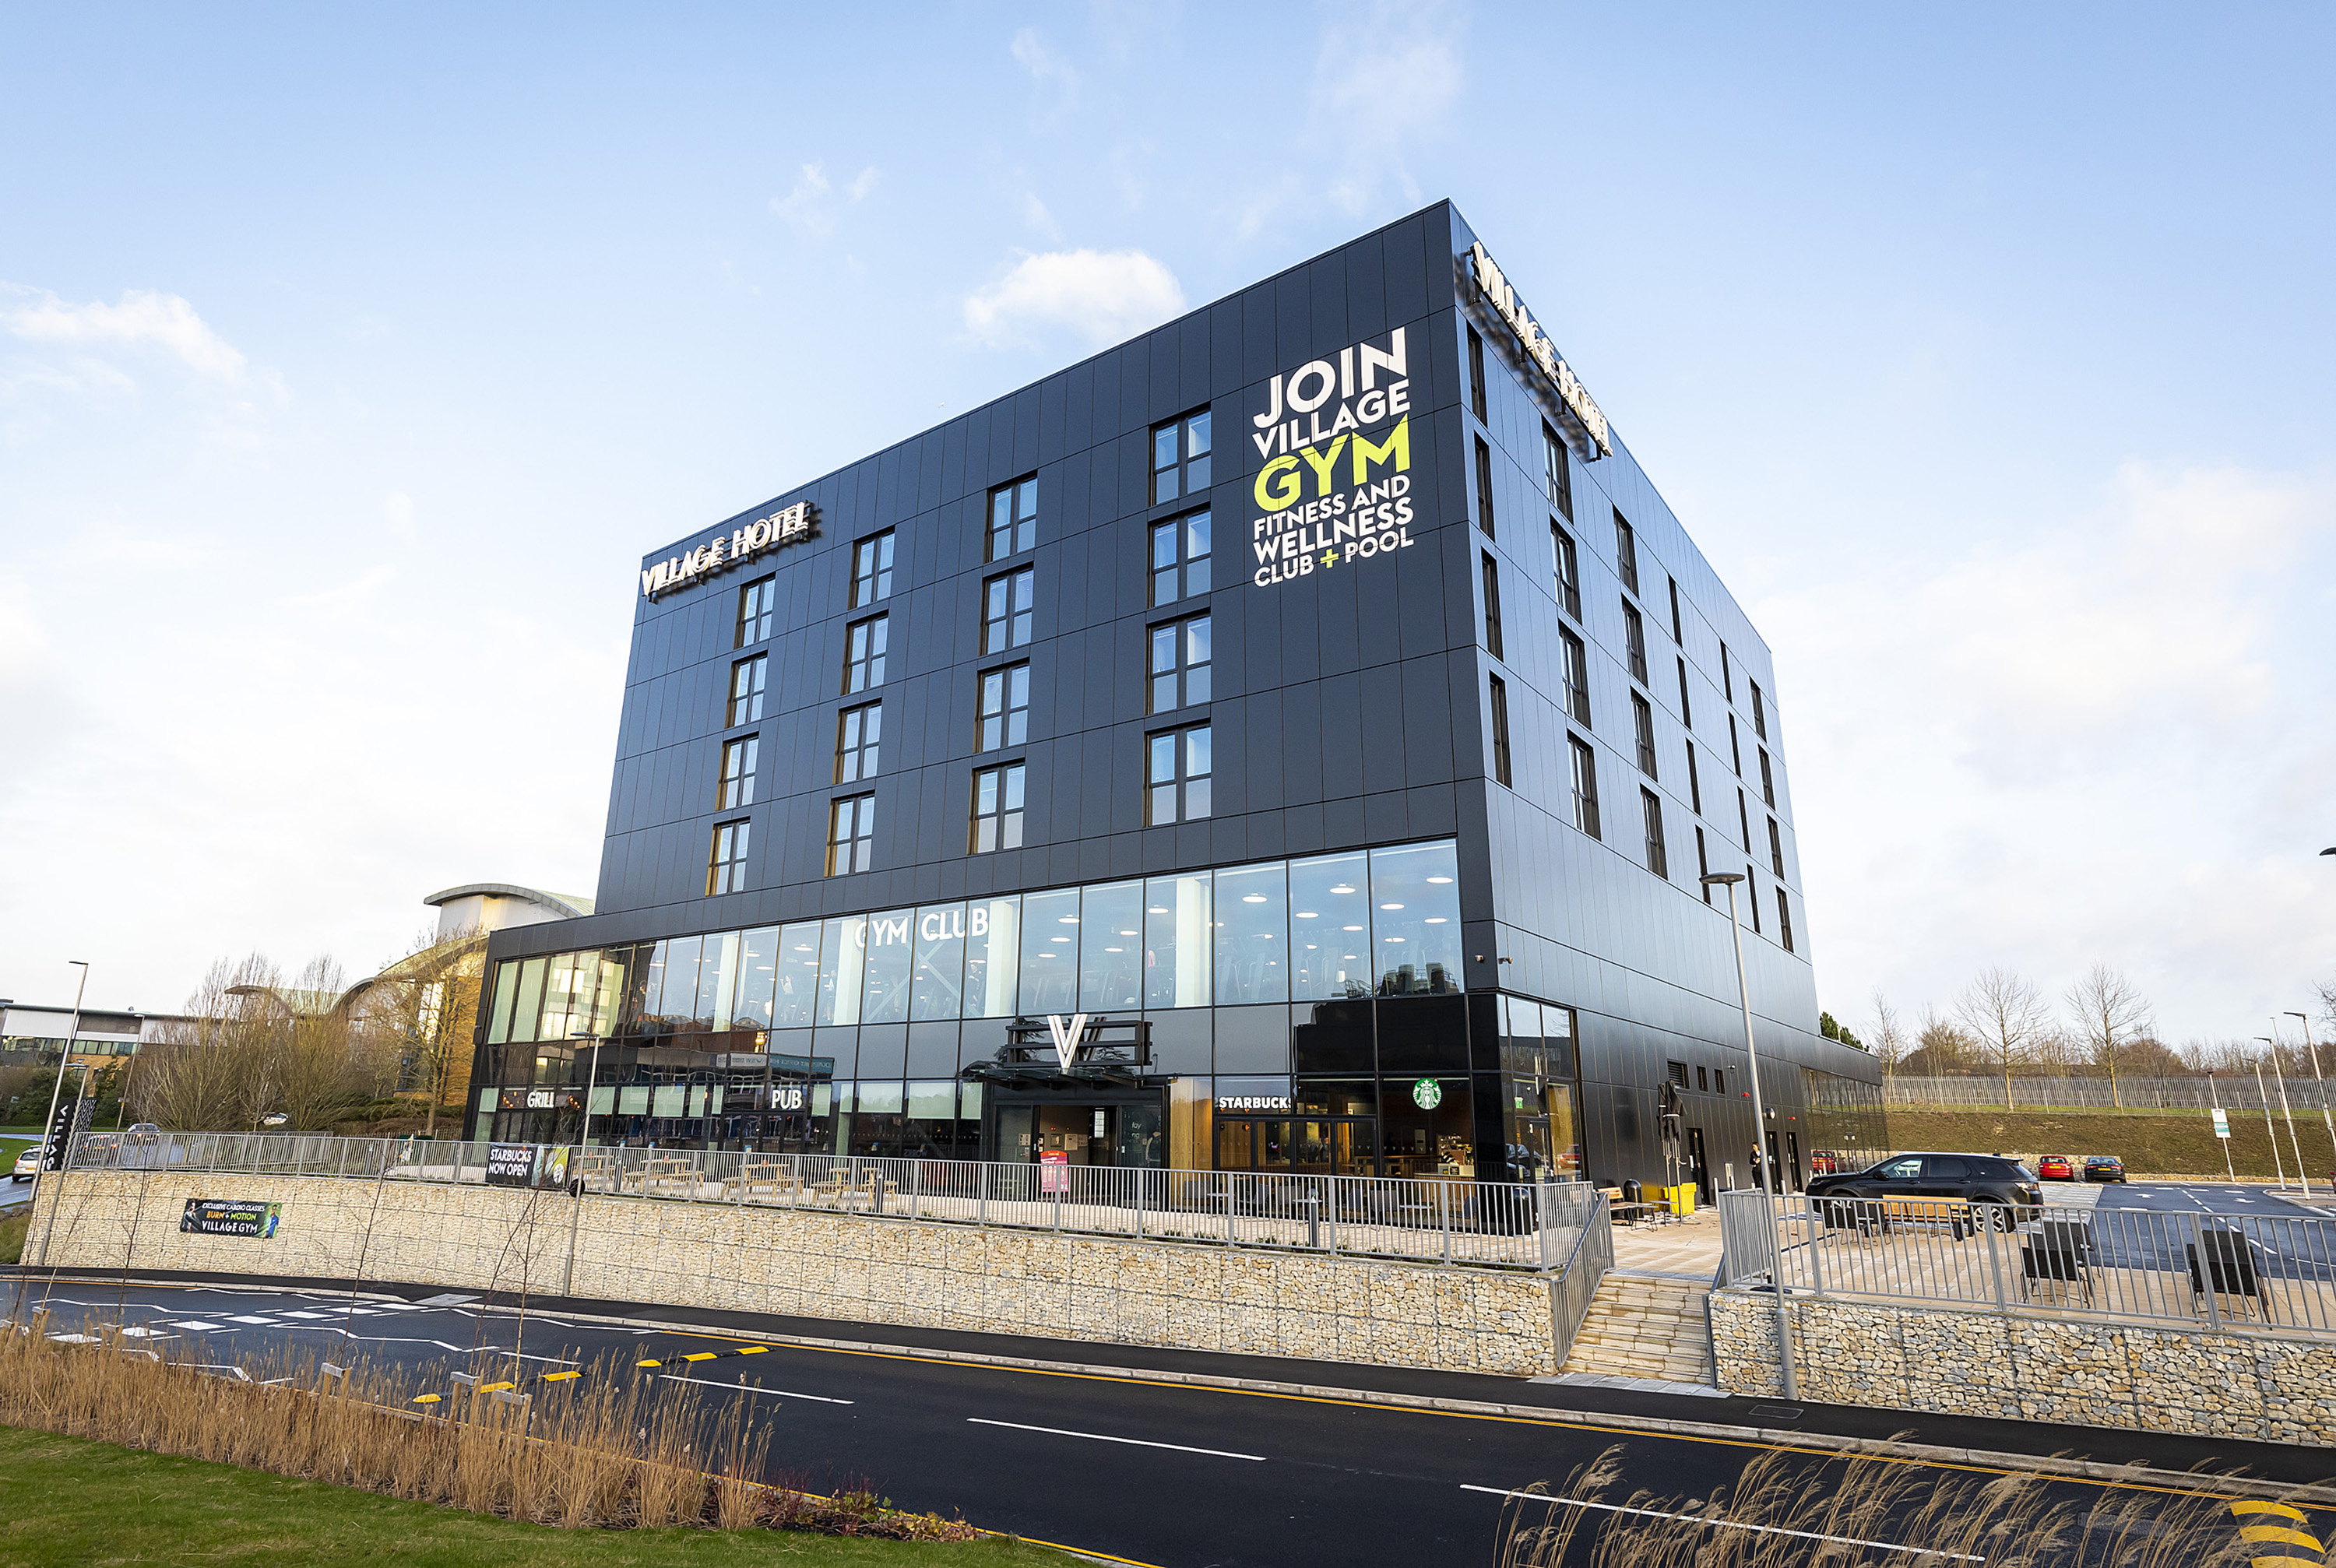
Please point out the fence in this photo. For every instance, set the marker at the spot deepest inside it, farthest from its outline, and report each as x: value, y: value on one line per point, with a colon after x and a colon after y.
x: 2234, y: 1091
x: 2271, y: 1270
x: 1584, y: 1266
x: 1444, y: 1220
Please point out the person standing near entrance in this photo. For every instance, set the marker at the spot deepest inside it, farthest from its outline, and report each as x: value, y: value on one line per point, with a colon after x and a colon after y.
x: 1759, y: 1169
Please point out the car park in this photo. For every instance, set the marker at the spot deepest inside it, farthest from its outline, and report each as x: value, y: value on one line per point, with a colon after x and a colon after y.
x: 2056, y: 1168
x: 2104, y: 1168
x: 1960, y: 1191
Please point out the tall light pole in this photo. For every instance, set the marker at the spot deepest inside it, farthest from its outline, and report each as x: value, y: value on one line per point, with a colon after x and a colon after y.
x: 56, y: 1092
x: 1759, y: 1128
x: 2270, y: 1130
x: 2326, y: 1116
x: 2279, y: 1075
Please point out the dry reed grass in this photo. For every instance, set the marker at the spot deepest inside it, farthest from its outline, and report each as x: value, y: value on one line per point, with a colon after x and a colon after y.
x: 603, y: 1451
x: 1789, y: 1509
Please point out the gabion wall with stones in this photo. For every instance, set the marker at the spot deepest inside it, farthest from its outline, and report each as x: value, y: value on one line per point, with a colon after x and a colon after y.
x: 852, y: 1269
x: 2082, y: 1372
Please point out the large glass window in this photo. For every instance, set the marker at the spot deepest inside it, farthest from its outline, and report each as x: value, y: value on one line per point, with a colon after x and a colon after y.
x: 842, y: 969
x: 993, y: 937
x: 1177, y: 776
x: 1050, y: 952
x: 871, y: 569
x: 737, y: 786
x: 891, y: 939
x: 756, y: 601
x: 1180, y: 558
x: 677, y: 1001
x: 1005, y: 707
x: 747, y: 678
x: 796, y: 1003
x: 864, y: 654
x: 1111, y: 947
x: 1179, y: 664
x: 1252, y: 935
x: 1176, y: 941
x: 725, y: 870
x: 859, y: 732
x: 1012, y: 519
x: 1180, y: 457
x: 1006, y: 609
x: 1330, y: 928
x: 851, y: 835
x: 996, y: 809
x: 1415, y: 919
x: 936, y: 990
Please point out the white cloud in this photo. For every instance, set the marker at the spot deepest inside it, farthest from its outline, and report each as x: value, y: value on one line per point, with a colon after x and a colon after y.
x: 816, y: 204
x: 2101, y: 740
x: 1056, y: 78
x: 144, y: 319
x: 1104, y: 296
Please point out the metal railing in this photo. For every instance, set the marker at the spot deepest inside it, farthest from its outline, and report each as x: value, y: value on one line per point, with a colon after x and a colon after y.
x: 1584, y: 1266
x: 1530, y: 1225
x: 2233, y: 1091
x: 2269, y: 1271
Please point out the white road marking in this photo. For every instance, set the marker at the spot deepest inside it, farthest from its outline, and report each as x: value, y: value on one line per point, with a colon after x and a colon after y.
x: 289, y: 1312
x: 750, y: 1389
x: 197, y: 1328
x: 1101, y: 1437
x: 1720, y: 1524
x: 262, y: 1322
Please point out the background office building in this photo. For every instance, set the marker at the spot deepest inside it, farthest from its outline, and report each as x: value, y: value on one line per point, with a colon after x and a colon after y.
x: 1291, y: 740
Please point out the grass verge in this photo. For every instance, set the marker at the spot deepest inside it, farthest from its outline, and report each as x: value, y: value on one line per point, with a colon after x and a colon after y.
x: 2149, y: 1143
x: 12, y: 1238
x: 74, y: 1501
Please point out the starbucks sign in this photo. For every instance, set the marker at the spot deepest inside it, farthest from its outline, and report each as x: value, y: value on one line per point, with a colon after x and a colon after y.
x: 1427, y: 1093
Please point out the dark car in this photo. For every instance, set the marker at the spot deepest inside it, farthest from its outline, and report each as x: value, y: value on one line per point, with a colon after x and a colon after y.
x: 2104, y: 1168
x: 1957, y: 1190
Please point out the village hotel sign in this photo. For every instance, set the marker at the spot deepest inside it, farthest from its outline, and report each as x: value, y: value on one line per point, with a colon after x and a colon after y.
x: 788, y: 525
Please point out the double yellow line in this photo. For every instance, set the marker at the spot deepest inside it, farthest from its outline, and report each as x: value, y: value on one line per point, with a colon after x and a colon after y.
x: 2276, y: 1534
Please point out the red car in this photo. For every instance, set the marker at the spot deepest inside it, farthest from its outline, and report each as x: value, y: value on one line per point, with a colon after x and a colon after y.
x: 2056, y: 1168
x: 1823, y: 1163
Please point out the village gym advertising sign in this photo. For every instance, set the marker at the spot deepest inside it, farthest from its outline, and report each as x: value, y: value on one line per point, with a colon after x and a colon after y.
x: 788, y: 525
x: 252, y: 1217
x: 1335, y: 486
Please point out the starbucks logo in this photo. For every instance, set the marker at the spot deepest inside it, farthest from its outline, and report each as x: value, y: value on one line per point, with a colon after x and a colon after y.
x: 1427, y: 1093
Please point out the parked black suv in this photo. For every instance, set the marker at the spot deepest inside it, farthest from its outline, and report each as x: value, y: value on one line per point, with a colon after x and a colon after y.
x: 1979, y: 1189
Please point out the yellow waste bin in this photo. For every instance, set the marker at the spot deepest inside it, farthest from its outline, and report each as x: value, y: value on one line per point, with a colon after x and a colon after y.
x: 1683, y: 1200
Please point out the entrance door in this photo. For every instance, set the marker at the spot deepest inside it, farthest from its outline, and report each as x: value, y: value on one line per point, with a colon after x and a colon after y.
x: 1305, y: 1145
x: 1696, y: 1164
x: 1793, y: 1161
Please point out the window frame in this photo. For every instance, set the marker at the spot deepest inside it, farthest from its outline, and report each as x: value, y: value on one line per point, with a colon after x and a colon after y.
x: 1183, y: 564
x: 1651, y: 810
x: 1557, y: 470
x: 1677, y: 628
x: 1193, y: 468
x: 1759, y: 711
x: 734, y: 789
x: 725, y: 857
x: 1497, y: 697
x: 757, y: 601
x: 1634, y: 641
x: 1702, y: 863
x: 1768, y: 779
x: 1567, y: 567
x: 1018, y: 623
x: 1485, y: 488
x: 1181, y: 670
x: 1008, y: 781
x: 1181, y: 777
x: 1491, y: 570
x: 872, y: 568
x: 869, y: 665
x: 1020, y: 531
x: 1477, y: 393
x: 1573, y: 674
x: 753, y: 672
x: 1694, y: 781
x: 851, y: 828
x: 1776, y: 849
x: 1584, y: 784
x: 1784, y: 919
x: 1643, y: 730
x: 1626, y: 552
x: 862, y: 748
x: 1012, y: 718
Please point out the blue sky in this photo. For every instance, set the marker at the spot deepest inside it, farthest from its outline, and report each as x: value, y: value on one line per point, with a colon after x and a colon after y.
x: 348, y: 360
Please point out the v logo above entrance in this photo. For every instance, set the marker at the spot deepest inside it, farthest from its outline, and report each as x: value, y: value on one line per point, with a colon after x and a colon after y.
x: 1070, y: 1038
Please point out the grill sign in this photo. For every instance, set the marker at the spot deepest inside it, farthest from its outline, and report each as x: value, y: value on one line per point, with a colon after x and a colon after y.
x: 788, y: 525
x: 230, y: 1217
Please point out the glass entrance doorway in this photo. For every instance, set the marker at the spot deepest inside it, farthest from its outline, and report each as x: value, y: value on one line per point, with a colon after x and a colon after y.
x: 1299, y: 1145
x: 1083, y: 1134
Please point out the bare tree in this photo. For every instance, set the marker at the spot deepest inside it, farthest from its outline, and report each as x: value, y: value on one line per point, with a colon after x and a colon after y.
x: 210, y: 1069
x: 315, y: 1074
x: 2006, y: 1015
x: 2108, y: 1012
x: 1889, y: 1034
x: 2057, y: 1053
x: 1940, y: 1048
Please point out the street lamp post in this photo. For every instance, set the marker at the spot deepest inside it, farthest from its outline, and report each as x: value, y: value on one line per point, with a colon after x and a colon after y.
x: 2326, y: 1116
x: 1759, y: 1128
x: 2279, y: 1075
x: 2270, y: 1130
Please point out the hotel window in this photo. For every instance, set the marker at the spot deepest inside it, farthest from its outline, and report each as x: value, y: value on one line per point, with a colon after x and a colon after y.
x: 1687, y: 716
x: 1484, y: 488
x: 1703, y: 864
x: 1569, y: 574
x: 1727, y: 675
x: 1651, y: 808
x: 747, y: 677
x: 1179, y: 664
x: 1702, y: 1082
x: 1006, y: 609
x: 1678, y: 1071
x: 1180, y: 558
x: 1560, y: 473
x: 1642, y: 722
x: 1586, y: 785
x: 858, y: 730
x: 737, y: 775
x: 850, y: 834
x: 1500, y: 730
x: 864, y: 654
x: 725, y: 870
x: 1743, y: 821
x: 1004, y: 707
x: 871, y: 569
x: 1180, y: 457
x: 1734, y: 749
x: 1476, y: 376
x: 1675, y: 629
x: 1767, y: 780
x: 1752, y: 897
x: 1634, y: 641
x: 1013, y: 518
x: 1784, y: 921
x: 996, y: 809
x: 1694, y: 781
x: 1626, y: 552
x: 1492, y: 608
x: 1775, y: 849
x: 1576, y: 676
x: 756, y: 601
x: 1760, y: 712
x: 1176, y: 775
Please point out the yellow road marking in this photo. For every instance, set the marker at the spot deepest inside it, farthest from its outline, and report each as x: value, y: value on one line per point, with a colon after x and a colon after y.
x: 2285, y: 1562
x: 700, y: 1356
x: 2282, y: 1509
x: 754, y: 1349
x: 561, y: 1377
x: 495, y: 1387
x: 425, y: 1399
x: 2283, y: 1534
x: 648, y: 1363
x: 1081, y: 1551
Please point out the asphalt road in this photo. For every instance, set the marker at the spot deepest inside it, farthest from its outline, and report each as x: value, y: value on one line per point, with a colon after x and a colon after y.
x: 1153, y: 1473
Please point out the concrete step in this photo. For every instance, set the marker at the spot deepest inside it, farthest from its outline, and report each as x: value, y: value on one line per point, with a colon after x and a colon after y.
x: 1643, y: 1327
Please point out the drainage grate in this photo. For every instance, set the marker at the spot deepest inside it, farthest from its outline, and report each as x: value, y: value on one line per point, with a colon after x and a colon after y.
x: 1779, y: 1412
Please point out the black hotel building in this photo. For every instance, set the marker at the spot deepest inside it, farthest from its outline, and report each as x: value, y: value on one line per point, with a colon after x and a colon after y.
x: 1288, y: 741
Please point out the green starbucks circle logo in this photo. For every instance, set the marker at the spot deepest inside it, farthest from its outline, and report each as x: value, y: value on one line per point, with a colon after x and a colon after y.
x: 1427, y: 1093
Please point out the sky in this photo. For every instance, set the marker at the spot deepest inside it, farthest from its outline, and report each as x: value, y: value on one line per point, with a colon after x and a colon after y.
x: 350, y: 359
